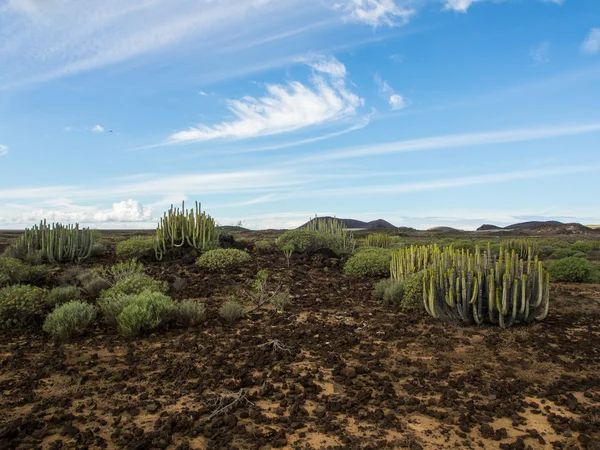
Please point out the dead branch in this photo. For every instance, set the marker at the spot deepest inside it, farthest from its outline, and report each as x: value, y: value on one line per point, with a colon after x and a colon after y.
x: 227, y: 402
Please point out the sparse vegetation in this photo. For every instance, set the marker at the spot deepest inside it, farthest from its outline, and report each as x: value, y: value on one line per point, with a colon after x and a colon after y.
x: 145, y: 312
x: 14, y: 271
x: 135, y: 284
x: 135, y: 247
x: 22, y: 305
x: 222, y: 260
x: 69, y: 320
x: 190, y: 313
x: 231, y: 311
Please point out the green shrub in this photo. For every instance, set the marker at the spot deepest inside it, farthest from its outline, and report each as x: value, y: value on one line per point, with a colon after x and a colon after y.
x: 222, y: 260
x: 21, y: 305
x: 231, y: 311
x: 92, y: 283
x: 265, y: 245
x: 585, y: 246
x: 69, y: 320
x: 369, y: 262
x: 145, y: 312
x: 62, y: 294
x: 412, y: 298
x: 573, y: 269
x: 98, y: 249
x: 394, y: 295
x: 190, y: 313
x: 381, y: 286
x: 111, y: 307
x: 310, y: 241
x: 280, y: 301
x: 70, y: 276
x: 135, y: 284
x: 122, y: 270
x: 13, y: 271
x: 566, y: 253
x: 135, y: 247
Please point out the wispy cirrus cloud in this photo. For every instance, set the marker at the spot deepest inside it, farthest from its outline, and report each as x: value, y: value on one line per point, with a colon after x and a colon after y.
x: 376, y: 13
x: 395, y: 100
x: 97, y: 129
x: 463, y: 5
x: 454, y: 141
x: 591, y: 44
x: 3, y: 150
x: 283, y: 108
x: 540, y: 53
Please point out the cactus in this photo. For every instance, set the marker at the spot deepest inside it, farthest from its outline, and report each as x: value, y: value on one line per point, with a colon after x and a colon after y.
x: 55, y: 243
x: 525, y: 248
x: 475, y: 288
x: 380, y: 240
x: 181, y: 227
x: 335, y: 227
x: 408, y: 261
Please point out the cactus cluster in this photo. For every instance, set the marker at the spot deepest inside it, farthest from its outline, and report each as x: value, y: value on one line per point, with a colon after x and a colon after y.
x: 477, y: 288
x: 181, y: 227
x: 335, y: 227
x: 55, y: 243
x: 410, y: 260
x: 525, y: 248
x: 381, y: 240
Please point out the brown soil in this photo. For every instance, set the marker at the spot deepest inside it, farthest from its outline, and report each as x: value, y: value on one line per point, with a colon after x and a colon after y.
x: 353, y: 374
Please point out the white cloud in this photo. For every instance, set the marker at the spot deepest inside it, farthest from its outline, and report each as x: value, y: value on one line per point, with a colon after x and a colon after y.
x: 459, y: 5
x: 455, y: 141
x: 284, y: 108
x: 3, y: 150
x: 398, y: 102
x: 98, y: 129
x: 376, y: 12
x: 395, y: 100
x: 125, y: 211
x: 591, y: 45
x: 540, y: 53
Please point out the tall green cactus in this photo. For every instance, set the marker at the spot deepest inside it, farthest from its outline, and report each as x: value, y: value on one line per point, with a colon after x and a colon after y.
x: 475, y: 288
x: 179, y: 227
x: 55, y: 243
x: 410, y: 260
x: 335, y: 227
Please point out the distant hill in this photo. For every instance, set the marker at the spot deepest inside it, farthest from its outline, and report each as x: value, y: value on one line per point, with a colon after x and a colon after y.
x: 354, y: 224
x: 444, y: 229
x: 550, y: 226
x: 533, y: 225
x: 488, y: 227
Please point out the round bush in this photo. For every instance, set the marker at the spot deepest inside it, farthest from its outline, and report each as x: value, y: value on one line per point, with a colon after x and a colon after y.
x: 369, y: 262
x: 135, y: 247
x: 69, y: 320
x: 231, y: 311
x: 145, y: 312
x: 222, y: 260
x: 573, y: 269
x: 63, y: 294
x: 135, y: 284
x: 190, y: 313
x: 567, y: 253
x: 310, y: 241
x: 21, y: 305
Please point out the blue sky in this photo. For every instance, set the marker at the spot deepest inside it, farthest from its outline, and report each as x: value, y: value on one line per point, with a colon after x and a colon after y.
x: 421, y: 112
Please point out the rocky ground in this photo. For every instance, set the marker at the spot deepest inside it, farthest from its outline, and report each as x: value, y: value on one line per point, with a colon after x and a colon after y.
x: 335, y: 370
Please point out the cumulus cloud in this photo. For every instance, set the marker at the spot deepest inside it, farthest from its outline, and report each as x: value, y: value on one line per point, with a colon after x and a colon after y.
x: 395, y: 100
x: 591, y: 45
x: 98, y: 129
x: 3, y: 150
x: 376, y: 12
x: 125, y: 211
x: 284, y: 107
x: 540, y: 53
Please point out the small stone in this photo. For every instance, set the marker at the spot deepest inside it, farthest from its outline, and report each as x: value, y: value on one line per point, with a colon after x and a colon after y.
x: 152, y: 407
